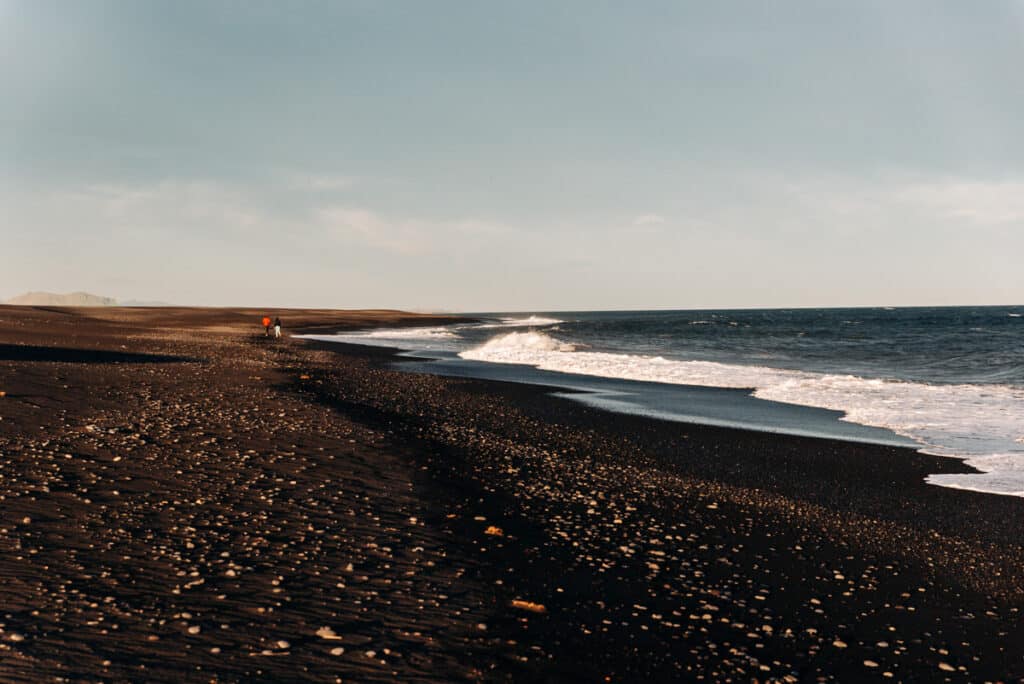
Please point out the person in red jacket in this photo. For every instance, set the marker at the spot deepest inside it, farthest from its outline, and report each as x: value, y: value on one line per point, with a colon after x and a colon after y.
x: 266, y: 326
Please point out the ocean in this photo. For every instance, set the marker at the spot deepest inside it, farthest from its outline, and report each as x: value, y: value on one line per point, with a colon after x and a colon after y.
x: 948, y: 381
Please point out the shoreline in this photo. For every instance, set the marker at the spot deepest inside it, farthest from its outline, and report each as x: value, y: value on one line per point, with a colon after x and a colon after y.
x: 779, y: 372
x: 575, y: 387
x: 659, y: 437
x: 243, y: 493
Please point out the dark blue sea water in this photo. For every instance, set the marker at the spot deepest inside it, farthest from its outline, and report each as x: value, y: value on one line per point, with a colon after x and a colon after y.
x: 950, y: 380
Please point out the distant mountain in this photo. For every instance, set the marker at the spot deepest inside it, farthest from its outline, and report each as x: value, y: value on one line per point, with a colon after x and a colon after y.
x: 71, y: 299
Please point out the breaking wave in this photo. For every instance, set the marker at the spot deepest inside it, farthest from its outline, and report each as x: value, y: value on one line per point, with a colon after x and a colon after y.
x: 518, y: 347
x: 529, y: 322
x: 409, y: 333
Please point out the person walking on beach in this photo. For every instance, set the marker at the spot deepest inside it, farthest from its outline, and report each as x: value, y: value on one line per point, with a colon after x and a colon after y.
x: 266, y: 326
x: 277, y: 327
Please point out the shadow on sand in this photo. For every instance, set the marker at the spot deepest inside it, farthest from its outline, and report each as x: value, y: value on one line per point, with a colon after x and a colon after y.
x: 18, y: 352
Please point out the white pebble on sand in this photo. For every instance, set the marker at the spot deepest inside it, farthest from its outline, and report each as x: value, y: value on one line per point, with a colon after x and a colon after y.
x: 327, y: 633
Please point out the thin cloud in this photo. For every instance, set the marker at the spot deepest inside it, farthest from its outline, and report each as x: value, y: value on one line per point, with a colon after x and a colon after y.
x: 403, y: 235
x: 978, y: 202
x: 648, y: 220
x: 321, y: 182
x: 202, y: 205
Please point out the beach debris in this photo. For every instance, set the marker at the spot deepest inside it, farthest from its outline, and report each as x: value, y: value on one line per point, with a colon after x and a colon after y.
x: 528, y: 605
x: 337, y: 651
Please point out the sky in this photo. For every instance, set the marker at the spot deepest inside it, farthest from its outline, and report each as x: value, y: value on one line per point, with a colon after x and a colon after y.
x: 514, y: 156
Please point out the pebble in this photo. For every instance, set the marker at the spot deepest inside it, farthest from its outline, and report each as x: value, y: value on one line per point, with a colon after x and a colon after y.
x: 327, y: 633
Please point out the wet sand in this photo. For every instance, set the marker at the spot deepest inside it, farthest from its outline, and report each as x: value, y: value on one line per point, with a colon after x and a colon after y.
x: 185, y: 499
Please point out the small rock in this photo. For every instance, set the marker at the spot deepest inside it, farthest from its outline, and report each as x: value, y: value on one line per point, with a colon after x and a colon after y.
x: 327, y: 633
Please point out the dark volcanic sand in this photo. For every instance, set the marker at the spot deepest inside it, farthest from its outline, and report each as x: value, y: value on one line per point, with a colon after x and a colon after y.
x: 199, y: 503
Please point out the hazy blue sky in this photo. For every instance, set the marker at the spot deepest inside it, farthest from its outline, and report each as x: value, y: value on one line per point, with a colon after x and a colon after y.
x: 514, y: 155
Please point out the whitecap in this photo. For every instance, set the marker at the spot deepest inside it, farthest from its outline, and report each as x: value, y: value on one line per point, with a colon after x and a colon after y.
x: 528, y: 322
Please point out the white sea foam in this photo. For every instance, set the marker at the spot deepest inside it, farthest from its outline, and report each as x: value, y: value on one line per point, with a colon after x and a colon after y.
x: 514, y: 345
x: 1000, y: 474
x: 529, y: 322
x: 980, y: 423
x: 409, y: 333
x: 432, y: 338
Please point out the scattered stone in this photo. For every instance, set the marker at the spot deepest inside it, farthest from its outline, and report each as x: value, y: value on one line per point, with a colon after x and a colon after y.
x: 528, y: 605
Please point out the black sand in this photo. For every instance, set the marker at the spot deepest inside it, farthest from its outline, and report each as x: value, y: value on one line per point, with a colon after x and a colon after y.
x: 207, y: 518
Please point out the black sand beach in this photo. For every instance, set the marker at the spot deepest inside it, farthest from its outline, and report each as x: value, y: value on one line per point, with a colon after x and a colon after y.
x: 185, y: 499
